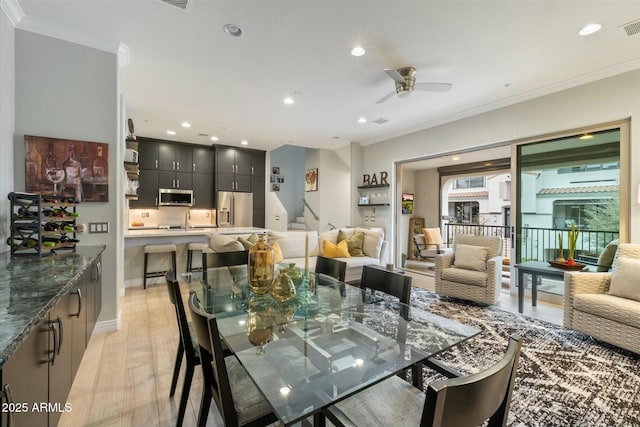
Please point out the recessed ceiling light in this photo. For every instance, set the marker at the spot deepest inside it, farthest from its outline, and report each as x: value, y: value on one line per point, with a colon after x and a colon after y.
x: 244, y: 142
x: 455, y: 158
x: 214, y: 138
x: 171, y: 132
x: 586, y: 136
x: 358, y: 51
x: 589, y: 29
x: 362, y: 120
x: 232, y: 30
x: 288, y: 100
x: 186, y: 124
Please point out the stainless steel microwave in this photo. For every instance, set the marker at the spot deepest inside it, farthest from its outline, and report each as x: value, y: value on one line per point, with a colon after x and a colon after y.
x: 174, y: 197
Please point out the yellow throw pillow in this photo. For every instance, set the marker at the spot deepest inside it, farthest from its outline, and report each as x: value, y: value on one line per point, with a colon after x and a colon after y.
x: 341, y: 250
x: 277, y: 253
x: 354, y: 242
x: 432, y: 236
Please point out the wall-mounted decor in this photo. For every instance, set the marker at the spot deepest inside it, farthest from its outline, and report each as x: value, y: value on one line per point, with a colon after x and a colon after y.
x: 407, y: 203
x: 273, y: 178
x: 65, y: 167
x: 311, y: 180
x: 368, y: 180
x: 276, y: 170
x: 280, y: 179
x: 275, y: 187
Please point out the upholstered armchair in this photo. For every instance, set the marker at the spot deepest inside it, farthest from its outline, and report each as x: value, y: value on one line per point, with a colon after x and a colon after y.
x: 473, y: 271
x: 606, y: 305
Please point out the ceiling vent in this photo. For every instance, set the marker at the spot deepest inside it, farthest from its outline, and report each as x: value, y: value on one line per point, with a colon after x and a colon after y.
x: 182, y: 4
x: 381, y: 121
x: 203, y: 134
x: 632, y: 28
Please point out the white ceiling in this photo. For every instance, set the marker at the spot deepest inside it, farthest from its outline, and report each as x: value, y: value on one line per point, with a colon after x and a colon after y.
x: 184, y: 67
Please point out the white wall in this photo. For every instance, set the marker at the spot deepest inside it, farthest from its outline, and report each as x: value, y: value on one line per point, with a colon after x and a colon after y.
x: 602, y: 101
x: 7, y: 121
x: 64, y: 90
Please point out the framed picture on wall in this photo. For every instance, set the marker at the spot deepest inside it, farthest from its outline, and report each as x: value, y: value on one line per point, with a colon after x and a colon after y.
x: 311, y: 180
x: 275, y: 187
x: 407, y: 203
x: 66, y: 167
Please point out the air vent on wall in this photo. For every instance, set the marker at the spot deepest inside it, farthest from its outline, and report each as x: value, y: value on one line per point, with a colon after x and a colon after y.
x: 632, y: 28
x: 182, y: 4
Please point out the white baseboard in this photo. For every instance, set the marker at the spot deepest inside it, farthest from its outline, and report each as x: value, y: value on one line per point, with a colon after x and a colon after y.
x: 111, y: 325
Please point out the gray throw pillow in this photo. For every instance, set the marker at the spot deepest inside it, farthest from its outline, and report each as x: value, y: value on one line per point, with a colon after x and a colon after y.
x: 624, y: 281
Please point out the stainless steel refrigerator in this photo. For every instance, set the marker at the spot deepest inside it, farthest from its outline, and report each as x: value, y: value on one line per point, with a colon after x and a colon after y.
x: 235, y: 209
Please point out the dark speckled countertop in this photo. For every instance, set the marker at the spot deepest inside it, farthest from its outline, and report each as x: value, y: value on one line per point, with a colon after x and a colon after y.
x: 30, y: 287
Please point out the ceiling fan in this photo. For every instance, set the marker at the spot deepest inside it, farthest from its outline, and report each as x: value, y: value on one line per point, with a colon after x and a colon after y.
x: 406, y: 83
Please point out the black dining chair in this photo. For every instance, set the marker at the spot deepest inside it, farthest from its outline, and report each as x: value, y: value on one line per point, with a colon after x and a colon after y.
x: 333, y: 268
x: 211, y: 259
x: 239, y: 401
x: 460, y: 402
x: 186, y: 346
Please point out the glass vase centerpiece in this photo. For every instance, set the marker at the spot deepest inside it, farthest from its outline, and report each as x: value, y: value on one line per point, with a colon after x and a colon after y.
x: 261, y: 267
x: 283, y: 288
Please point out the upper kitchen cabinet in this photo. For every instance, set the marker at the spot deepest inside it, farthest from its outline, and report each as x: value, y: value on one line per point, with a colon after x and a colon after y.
x: 202, y: 160
x: 175, y: 157
x: 258, y: 160
x: 147, y: 154
x: 233, y: 160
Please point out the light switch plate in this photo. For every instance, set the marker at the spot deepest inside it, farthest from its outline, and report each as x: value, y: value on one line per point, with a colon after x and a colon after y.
x: 98, y: 227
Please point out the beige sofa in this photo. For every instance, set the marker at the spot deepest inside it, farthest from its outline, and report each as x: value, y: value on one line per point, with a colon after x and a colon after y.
x: 292, y: 244
x: 590, y: 308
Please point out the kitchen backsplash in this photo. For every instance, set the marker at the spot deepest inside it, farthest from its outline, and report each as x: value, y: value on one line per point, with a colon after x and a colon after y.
x: 172, y: 216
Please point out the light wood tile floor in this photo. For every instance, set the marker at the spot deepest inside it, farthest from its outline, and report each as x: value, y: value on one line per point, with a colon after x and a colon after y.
x: 125, y: 376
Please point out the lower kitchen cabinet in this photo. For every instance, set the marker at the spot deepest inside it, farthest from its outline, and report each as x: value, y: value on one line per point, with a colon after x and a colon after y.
x: 37, y: 378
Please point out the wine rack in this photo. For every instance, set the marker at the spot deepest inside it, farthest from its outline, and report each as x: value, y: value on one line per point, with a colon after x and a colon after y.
x: 41, y: 224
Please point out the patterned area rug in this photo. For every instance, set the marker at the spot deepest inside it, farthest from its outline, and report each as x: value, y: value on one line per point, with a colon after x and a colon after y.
x: 565, y: 378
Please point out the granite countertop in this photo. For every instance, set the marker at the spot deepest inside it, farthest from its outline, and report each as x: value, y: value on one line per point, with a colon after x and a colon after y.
x: 30, y: 286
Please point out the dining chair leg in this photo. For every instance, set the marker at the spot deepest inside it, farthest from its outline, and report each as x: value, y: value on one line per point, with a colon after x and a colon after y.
x: 416, y: 376
x: 176, y: 369
x: 184, y: 397
x: 205, y: 403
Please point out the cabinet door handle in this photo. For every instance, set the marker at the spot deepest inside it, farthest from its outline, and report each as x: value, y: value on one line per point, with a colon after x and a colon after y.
x: 173, y: 165
x: 9, y: 397
x: 98, y: 266
x: 194, y: 167
x: 251, y: 170
x: 54, y: 329
x: 156, y: 163
x: 79, y: 293
x: 60, y: 335
x: 178, y: 181
x: 178, y: 165
x: 156, y: 202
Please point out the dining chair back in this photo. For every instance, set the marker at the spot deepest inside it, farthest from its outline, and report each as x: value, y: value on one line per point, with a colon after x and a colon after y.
x: 212, y: 259
x: 474, y: 399
x: 331, y: 267
x: 389, y: 282
x: 239, y: 401
x: 460, y: 402
x: 186, y: 346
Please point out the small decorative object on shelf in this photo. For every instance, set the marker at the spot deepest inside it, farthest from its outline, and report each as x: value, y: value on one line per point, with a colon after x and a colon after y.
x: 260, y: 266
x: 41, y: 225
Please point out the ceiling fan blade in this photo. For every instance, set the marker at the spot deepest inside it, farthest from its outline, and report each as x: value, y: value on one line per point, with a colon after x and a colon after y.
x: 395, y: 75
x: 433, y: 87
x: 386, y: 97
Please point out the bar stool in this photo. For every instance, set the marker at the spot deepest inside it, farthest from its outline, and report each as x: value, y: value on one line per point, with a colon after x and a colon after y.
x: 157, y: 249
x: 194, y: 247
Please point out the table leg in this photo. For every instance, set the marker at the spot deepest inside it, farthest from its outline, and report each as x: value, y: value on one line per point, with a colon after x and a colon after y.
x: 520, y: 290
x: 534, y: 289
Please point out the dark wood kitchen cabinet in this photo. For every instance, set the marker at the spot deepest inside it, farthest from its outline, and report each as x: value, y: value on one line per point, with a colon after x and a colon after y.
x: 173, y: 179
x: 42, y: 369
x: 231, y: 160
x: 202, y: 160
x: 203, y: 191
x: 174, y: 157
x: 147, y: 190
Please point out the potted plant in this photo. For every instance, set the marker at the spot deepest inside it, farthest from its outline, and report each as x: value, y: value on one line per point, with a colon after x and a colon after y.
x: 573, y: 238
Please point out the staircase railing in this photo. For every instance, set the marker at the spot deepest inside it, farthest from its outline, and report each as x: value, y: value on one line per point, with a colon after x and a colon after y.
x: 316, y: 217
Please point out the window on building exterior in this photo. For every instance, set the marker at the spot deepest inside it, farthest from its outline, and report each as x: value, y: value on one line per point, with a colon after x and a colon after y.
x: 469, y: 182
x: 464, y: 212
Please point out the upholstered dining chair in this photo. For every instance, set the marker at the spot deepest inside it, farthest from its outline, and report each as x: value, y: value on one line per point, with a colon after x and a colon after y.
x: 186, y: 346
x: 460, y: 402
x: 239, y: 401
x: 473, y: 270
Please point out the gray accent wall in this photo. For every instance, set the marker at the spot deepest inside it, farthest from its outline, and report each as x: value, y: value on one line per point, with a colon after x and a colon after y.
x: 65, y: 90
x: 290, y: 160
x: 7, y: 121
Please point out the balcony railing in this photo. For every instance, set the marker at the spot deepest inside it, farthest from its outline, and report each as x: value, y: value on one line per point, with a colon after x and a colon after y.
x: 539, y: 244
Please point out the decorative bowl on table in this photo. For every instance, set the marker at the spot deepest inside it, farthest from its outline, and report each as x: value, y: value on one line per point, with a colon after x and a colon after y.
x: 576, y: 266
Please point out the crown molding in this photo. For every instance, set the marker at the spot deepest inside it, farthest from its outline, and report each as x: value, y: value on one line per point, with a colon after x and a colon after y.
x: 13, y: 11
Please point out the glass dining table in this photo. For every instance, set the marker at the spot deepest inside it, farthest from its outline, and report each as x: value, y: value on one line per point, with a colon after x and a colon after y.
x: 323, y: 345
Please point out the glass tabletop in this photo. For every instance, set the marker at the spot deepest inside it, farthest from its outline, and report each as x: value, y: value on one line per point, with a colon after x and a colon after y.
x: 323, y: 345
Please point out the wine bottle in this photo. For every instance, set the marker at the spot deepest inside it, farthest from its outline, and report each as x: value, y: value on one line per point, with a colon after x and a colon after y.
x: 72, y: 186
x: 100, y: 175
x: 32, y: 164
x: 85, y: 173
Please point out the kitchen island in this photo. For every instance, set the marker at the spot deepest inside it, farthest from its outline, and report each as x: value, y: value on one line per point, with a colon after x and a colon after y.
x: 136, y: 238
